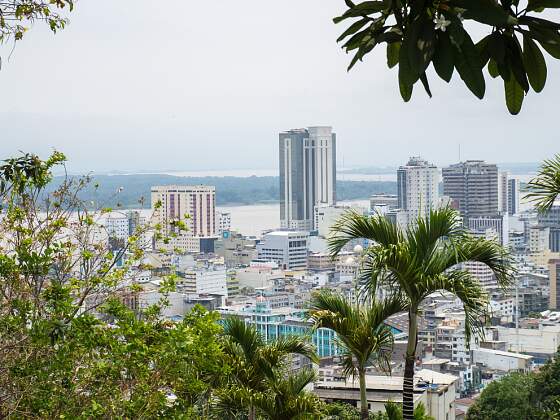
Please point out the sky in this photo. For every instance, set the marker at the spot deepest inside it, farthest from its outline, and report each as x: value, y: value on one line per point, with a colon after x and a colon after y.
x: 188, y: 85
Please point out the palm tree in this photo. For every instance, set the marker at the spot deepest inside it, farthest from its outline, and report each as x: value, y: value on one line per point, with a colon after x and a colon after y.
x: 360, y: 330
x: 418, y: 261
x: 289, y: 400
x: 545, y: 188
x: 256, y: 364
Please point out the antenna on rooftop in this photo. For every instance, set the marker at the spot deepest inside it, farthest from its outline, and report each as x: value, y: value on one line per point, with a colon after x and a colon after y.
x: 459, y: 152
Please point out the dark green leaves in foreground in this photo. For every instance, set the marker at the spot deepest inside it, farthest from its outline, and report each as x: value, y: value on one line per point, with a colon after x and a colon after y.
x: 419, y: 33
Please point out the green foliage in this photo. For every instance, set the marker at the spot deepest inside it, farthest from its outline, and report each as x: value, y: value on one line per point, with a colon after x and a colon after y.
x: 260, y: 381
x: 432, y: 32
x: 393, y: 411
x: 544, y: 189
x: 68, y: 347
x: 507, y: 398
x: 17, y: 16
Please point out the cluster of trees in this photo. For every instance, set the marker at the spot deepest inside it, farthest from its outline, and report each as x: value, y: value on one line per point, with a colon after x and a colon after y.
x: 133, y: 191
x: 532, y: 396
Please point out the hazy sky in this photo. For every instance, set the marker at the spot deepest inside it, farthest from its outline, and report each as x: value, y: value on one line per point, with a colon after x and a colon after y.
x: 189, y: 85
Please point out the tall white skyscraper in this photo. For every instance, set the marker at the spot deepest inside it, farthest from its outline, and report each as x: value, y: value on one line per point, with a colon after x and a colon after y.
x: 503, y: 192
x: 417, y: 188
x: 307, y: 160
x: 193, y: 205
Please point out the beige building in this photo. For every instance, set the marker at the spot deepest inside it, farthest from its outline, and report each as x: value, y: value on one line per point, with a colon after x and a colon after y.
x: 193, y: 205
x: 436, y: 391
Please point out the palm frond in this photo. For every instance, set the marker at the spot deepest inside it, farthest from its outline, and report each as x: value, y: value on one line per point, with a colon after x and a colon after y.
x: 283, y: 346
x: 545, y: 188
x: 247, y: 337
x: 353, y: 225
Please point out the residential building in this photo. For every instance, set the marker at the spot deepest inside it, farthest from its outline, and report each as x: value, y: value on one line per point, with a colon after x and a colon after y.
x: 195, y: 206
x: 326, y: 216
x: 503, y: 192
x: 502, y: 360
x: 417, y: 188
x: 117, y: 227
x: 236, y: 249
x: 288, y: 249
x: 208, y: 280
x: 224, y: 222
x: 539, y: 239
x: 551, y: 219
x: 307, y: 162
x: 473, y: 188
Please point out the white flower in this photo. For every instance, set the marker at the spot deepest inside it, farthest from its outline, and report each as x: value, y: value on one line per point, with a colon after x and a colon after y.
x: 441, y: 23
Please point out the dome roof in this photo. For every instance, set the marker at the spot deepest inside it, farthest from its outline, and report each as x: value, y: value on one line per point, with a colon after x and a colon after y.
x: 349, y: 260
x: 358, y: 249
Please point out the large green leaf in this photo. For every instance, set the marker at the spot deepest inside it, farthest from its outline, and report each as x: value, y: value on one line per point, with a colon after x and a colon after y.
x: 493, y: 68
x: 352, y: 29
x: 549, y: 40
x: 539, y: 4
x: 443, y: 57
x: 467, y: 63
x: 535, y: 64
x: 362, y: 9
x: 514, y: 95
x: 405, y: 73
x: 485, y: 11
x: 424, y: 80
x: 515, y: 59
x: 393, y: 54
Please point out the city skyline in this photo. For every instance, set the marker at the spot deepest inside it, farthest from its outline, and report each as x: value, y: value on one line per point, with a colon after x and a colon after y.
x: 131, y: 103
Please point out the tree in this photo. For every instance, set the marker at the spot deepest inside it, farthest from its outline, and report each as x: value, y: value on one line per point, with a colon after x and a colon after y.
x: 421, y: 260
x: 69, y: 347
x: 16, y: 16
x: 420, y: 33
x: 546, y: 391
x: 361, y: 332
x: 259, y: 369
x: 544, y: 189
x: 507, y: 398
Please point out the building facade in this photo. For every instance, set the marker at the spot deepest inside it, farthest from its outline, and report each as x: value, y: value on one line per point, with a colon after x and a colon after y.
x: 473, y: 188
x: 417, y: 188
x: 288, y: 249
x: 195, y: 206
x: 554, y: 276
x: 307, y: 162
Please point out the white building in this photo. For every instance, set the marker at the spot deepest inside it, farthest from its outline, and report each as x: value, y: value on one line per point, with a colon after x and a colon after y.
x: 539, y: 237
x: 307, y: 161
x: 211, y: 280
x: 117, y: 226
x: 286, y: 248
x: 539, y: 342
x: 418, y: 188
x: 224, y: 222
x: 502, y: 360
x: 195, y: 206
x: 503, y: 192
x: 326, y: 216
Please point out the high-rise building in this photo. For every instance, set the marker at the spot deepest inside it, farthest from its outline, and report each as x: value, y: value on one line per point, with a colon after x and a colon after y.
x: 554, y: 276
x: 195, y: 206
x: 473, y: 188
x: 503, y: 192
x: 224, y: 222
x: 513, y: 196
x: 417, y: 188
x: 307, y: 160
x: 551, y: 219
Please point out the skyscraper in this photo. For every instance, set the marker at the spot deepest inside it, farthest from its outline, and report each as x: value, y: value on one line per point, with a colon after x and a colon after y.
x: 193, y: 205
x: 513, y: 196
x: 307, y: 174
x: 554, y: 277
x: 473, y: 188
x: 417, y: 188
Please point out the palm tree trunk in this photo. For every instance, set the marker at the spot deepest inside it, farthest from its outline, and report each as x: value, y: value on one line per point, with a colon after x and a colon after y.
x: 363, y: 396
x: 408, y: 380
x: 252, y: 413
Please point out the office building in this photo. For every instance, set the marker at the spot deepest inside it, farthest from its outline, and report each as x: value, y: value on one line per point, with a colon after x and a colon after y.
x: 503, y: 192
x: 307, y: 161
x: 195, y: 206
x: 417, y: 188
x: 473, y: 188
x: 288, y: 249
x: 117, y: 227
x: 207, y: 280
